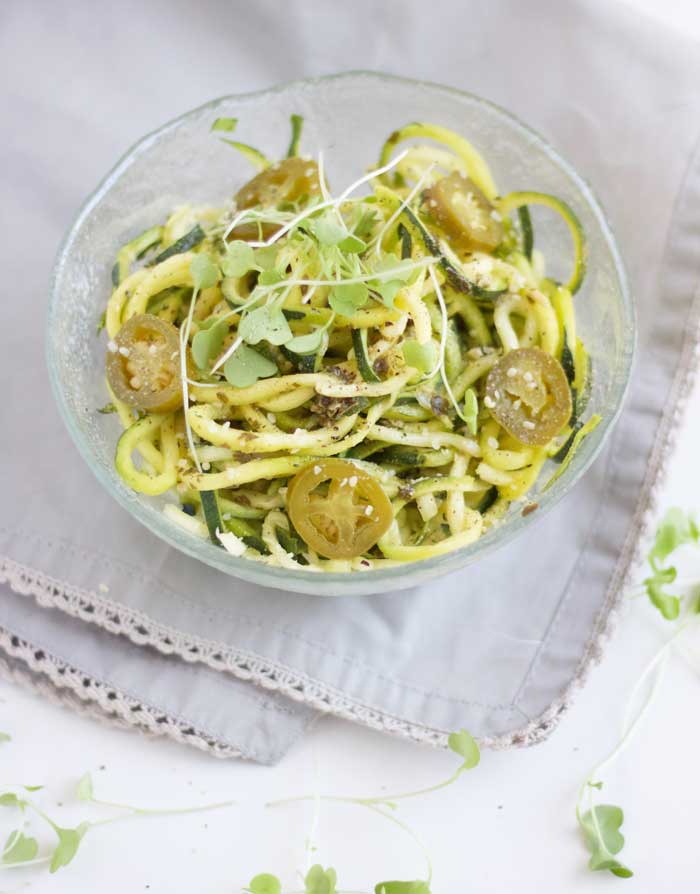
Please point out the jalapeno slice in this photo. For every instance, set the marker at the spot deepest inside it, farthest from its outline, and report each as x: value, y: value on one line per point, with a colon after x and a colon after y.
x: 338, y: 509
x: 143, y: 364
x: 459, y: 207
x: 528, y: 393
x: 286, y: 181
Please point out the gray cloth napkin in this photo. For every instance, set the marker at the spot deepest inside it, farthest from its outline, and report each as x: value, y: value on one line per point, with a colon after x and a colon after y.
x: 498, y: 648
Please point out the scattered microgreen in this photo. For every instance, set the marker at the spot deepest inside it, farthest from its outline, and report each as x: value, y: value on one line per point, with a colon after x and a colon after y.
x: 107, y: 409
x: 5, y: 737
x: 84, y: 789
x: 676, y: 529
x: 226, y: 124
x: 297, y: 122
x: 267, y: 323
x: 68, y: 843
x: 102, y: 322
x: 601, y: 832
x: 19, y: 848
x: 320, y: 881
x: 465, y: 746
x: 207, y: 343
x: 264, y: 884
x: 420, y: 357
x: 415, y: 887
x: 239, y: 259
x: 246, y: 366
x: 346, y: 299
x: 471, y: 410
x: 205, y: 272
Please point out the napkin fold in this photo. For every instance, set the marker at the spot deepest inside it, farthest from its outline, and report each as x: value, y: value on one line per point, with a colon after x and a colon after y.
x: 98, y: 612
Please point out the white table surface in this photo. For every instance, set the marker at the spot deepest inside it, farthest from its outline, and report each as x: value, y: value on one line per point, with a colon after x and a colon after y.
x: 507, y: 826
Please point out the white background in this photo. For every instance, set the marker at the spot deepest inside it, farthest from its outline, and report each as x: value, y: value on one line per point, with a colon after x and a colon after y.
x: 509, y: 825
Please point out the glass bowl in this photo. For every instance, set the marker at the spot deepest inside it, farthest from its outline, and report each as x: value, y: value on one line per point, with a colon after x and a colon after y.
x: 347, y: 116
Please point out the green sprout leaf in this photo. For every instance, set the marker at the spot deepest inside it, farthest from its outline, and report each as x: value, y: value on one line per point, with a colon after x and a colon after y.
x: 265, y: 884
x: 266, y: 258
x: 246, y: 366
x: 83, y: 790
x: 352, y: 244
x: 471, y: 410
x: 227, y: 124
x: 420, y: 357
x: 270, y: 277
x: 676, y: 529
x: 347, y: 298
x: 307, y: 344
x: 366, y: 218
x: 5, y: 737
x: 107, y: 409
x: 604, y: 839
x: 68, y: 844
x: 238, y: 260
x: 320, y: 881
x: 668, y: 605
x: 415, y: 887
x: 388, y: 291
x: 327, y: 229
x: 10, y: 799
x: 102, y: 322
x: 205, y: 272
x: 400, y: 269
x: 19, y: 848
x: 465, y: 746
x: 267, y: 323
x: 207, y: 343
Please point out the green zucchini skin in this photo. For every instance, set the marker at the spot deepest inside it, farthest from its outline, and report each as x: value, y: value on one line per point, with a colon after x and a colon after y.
x: 561, y: 454
x: 516, y: 200
x: 489, y: 499
x: 184, y: 243
x: 132, y: 251
x: 212, y: 514
x: 359, y: 343
x: 297, y: 122
x: 406, y: 242
x: 455, y: 277
x: 527, y: 231
x: 292, y: 543
x: 237, y: 526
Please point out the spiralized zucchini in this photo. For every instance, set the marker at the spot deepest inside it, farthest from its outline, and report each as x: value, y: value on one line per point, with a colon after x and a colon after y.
x: 368, y: 365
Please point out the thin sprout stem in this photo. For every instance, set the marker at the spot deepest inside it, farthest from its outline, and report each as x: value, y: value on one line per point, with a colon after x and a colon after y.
x: 36, y: 862
x: 406, y: 202
x: 409, y: 831
x: 660, y: 661
x: 184, y: 339
x: 364, y: 277
x: 367, y: 802
x: 147, y: 811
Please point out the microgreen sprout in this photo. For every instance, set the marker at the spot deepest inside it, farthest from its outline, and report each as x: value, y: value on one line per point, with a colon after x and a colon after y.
x: 22, y: 850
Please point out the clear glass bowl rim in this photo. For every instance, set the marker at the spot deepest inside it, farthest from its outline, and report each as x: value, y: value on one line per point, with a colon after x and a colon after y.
x: 373, y: 580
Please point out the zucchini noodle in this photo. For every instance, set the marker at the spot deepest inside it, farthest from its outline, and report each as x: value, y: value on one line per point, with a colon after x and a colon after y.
x: 352, y: 348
